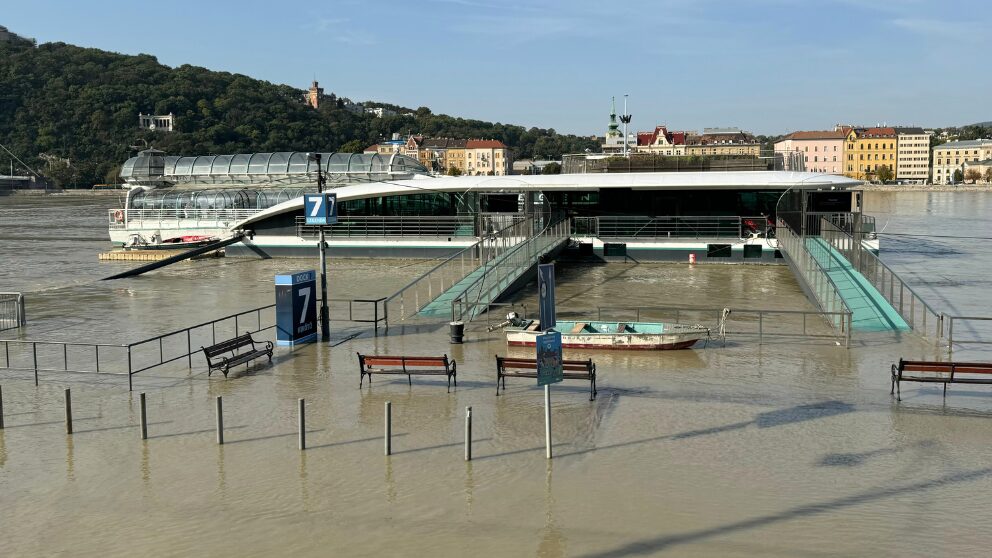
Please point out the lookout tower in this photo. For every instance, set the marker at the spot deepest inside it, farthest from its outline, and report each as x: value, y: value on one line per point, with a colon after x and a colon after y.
x: 314, y: 95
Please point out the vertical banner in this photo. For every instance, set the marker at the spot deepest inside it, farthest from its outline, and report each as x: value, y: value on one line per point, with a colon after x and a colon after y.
x: 296, y: 308
x: 320, y: 209
x: 546, y: 293
x: 549, y: 368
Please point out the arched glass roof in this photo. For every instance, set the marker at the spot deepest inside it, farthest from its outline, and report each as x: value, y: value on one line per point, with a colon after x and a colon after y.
x: 275, y: 167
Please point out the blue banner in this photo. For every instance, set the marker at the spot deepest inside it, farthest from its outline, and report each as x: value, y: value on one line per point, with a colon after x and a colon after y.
x: 549, y: 367
x: 546, y: 293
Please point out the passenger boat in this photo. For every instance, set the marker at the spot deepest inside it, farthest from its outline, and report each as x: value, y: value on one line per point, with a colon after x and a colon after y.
x: 138, y: 242
x: 626, y: 336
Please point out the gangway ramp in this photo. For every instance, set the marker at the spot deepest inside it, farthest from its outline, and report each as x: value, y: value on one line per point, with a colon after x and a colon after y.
x: 871, y: 311
x: 237, y: 237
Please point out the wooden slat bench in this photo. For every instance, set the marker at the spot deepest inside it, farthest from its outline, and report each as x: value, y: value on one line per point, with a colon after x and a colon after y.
x: 939, y: 372
x: 232, y: 346
x: 408, y: 365
x: 527, y: 368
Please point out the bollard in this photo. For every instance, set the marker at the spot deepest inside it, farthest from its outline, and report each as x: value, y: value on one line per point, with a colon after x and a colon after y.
x: 389, y: 428
x: 220, y: 420
x: 468, y: 433
x: 68, y: 412
x: 303, y: 425
x: 1, y: 407
x: 143, y: 417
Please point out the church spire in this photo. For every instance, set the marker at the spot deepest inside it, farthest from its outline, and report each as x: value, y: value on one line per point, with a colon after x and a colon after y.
x: 614, y: 128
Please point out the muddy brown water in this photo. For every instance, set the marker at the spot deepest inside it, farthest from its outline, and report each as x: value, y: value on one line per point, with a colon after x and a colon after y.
x: 791, y: 447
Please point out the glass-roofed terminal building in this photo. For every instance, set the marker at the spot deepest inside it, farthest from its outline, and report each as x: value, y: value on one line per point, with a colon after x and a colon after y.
x: 391, y: 206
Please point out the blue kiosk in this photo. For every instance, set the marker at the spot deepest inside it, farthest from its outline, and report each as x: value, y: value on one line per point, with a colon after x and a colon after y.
x: 296, y: 308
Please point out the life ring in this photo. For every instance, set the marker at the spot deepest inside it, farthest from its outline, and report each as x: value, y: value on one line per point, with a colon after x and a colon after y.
x: 119, y: 216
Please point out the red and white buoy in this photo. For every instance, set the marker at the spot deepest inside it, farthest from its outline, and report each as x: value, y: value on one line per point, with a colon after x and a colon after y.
x: 692, y: 258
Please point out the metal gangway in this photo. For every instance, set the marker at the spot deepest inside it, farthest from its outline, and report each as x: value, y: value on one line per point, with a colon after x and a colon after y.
x: 465, y: 284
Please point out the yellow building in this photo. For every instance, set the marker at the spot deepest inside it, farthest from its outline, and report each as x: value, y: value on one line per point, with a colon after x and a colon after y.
x: 866, y: 150
x: 722, y: 141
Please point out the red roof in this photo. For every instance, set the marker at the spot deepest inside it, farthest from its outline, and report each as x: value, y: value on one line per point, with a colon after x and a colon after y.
x: 649, y: 138
x: 485, y: 144
x: 879, y: 133
x: 815, y: 135
x: 374, y: 148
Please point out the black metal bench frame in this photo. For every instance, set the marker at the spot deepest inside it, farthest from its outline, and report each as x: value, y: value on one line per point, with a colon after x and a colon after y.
x: 408, y: 366
x: 527, y: 368
x: 942, y: 373
x: 236, y: 358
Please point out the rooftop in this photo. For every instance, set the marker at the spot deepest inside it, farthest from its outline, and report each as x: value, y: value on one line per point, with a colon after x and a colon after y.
x: 817, y: 135
x: 965, y: 144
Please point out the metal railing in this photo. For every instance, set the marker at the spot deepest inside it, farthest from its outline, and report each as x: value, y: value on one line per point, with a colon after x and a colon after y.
x: 760, y: 322
x: 12, y: 313
x: 400, y: 226
x: 981, y: 337
x: 133, y: 358
x: 919, y: 315
x: 661, y: 227
x: 815, y: 280
x: 415, y: 295
x: 502, y: 271
x: 172, y: 219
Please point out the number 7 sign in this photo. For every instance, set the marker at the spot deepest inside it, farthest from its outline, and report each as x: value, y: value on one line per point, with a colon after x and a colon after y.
x: 320, y: 209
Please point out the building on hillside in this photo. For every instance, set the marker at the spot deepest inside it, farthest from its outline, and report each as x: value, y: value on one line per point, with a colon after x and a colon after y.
x: 722, y: 141
x: 866, y: 150
x: 660, y: 142
x: 912, y: 155
x: 822, y: 150
x: 314, y: 95
x: 7, y: 36
x: 953, y: 155
x: 487, y: 157
x: 155, y: 122
x: 379, y: 112
x: 371, y: 150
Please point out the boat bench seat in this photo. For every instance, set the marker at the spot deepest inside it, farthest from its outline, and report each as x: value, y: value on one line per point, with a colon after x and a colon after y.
x: 527, y: 368
x: 233, y: 346
x: 407, y: 365
x: 939, y: 372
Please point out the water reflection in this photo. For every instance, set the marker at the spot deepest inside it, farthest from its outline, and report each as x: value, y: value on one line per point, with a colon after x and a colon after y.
x: 552, y: 543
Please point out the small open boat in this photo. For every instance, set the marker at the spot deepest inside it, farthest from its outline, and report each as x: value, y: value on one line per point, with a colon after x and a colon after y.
x: 138, y: 242
x: 611, y: 335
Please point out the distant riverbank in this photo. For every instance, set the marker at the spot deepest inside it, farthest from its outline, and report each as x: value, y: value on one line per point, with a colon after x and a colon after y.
x: 925, y: 188
x: 63, y: 192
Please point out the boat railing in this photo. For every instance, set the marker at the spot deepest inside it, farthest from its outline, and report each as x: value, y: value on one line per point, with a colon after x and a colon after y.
x: 813, y: 277
x: 398, y: 226
x: 12, y: 311
x: 500, y: 272
x: 919, y: 315
x: 760, y: 322
x: 415, y: 295
x: 177, y: 218
x: 670, y: 226
x: 173, y: 347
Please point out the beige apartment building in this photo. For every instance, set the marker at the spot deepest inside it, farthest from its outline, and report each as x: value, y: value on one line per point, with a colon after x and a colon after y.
x: 912, y: 155
x: 661, y: 142
x: 722, y: 141
x: 953, y: 155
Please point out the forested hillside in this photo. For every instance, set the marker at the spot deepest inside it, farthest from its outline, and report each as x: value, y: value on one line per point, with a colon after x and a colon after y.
x: 82, y: 104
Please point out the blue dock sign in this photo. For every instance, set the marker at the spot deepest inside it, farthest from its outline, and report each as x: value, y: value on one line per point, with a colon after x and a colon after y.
x: 546, y: 290
x: 321, y: 209
x: 549, y: 367
x: 296, y: 308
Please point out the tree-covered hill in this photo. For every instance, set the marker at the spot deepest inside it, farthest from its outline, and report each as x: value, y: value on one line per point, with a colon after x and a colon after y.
x: 82, y: 104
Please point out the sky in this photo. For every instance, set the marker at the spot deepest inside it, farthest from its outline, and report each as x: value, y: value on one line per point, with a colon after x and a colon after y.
x: 767, y: 66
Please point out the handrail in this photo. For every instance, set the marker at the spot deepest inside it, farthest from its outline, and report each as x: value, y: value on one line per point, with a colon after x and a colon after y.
x: 12, y: 313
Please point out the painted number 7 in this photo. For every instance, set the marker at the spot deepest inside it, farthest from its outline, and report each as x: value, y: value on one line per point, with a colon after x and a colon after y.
x: 318, y: 201
x: 305, y: 293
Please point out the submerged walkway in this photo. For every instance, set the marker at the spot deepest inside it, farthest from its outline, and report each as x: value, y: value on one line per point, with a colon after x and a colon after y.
x: 871, y: 311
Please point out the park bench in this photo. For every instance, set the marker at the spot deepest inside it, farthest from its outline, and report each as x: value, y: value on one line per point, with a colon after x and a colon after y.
x: 527, y: 368
x: 233, y: 346
x: 407, y: 365
x: 939, y: 372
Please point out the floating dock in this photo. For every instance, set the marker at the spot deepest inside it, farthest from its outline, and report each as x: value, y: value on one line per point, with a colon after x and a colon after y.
x: 152, y: 255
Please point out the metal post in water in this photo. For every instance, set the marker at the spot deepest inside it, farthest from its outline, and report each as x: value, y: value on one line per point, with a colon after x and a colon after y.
x: 468, y: 433
x: 1, y: 407
x: 68, y: 412
x: 389, y: 428
x: 547, y: 419
x: 220, y: 420
x: 34, y: 356
x: 303, y: 425
x: 143, y: 417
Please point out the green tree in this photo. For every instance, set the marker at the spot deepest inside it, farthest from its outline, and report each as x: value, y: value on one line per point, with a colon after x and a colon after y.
x: 454, y: 171
x: 958, y: 176
x: 551, y: 168
x: 884, y: 173
x: 353, y: 146
x: 974, y: 175
x: 988, y: 175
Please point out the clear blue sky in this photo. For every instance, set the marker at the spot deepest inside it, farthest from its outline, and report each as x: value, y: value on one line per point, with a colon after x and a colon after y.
x: 769, y: 66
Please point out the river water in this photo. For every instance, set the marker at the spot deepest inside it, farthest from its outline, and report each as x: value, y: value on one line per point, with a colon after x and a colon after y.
x: 786, y: 448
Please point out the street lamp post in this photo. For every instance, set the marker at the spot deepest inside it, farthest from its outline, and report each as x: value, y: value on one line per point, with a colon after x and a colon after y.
x: 325, y: 333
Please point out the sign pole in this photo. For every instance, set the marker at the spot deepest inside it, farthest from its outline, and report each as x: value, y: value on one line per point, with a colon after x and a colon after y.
x: 547, y: 419
x: 325, y: 332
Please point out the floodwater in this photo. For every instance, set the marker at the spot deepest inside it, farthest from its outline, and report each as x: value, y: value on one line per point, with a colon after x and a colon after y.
x: 786, y: 448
